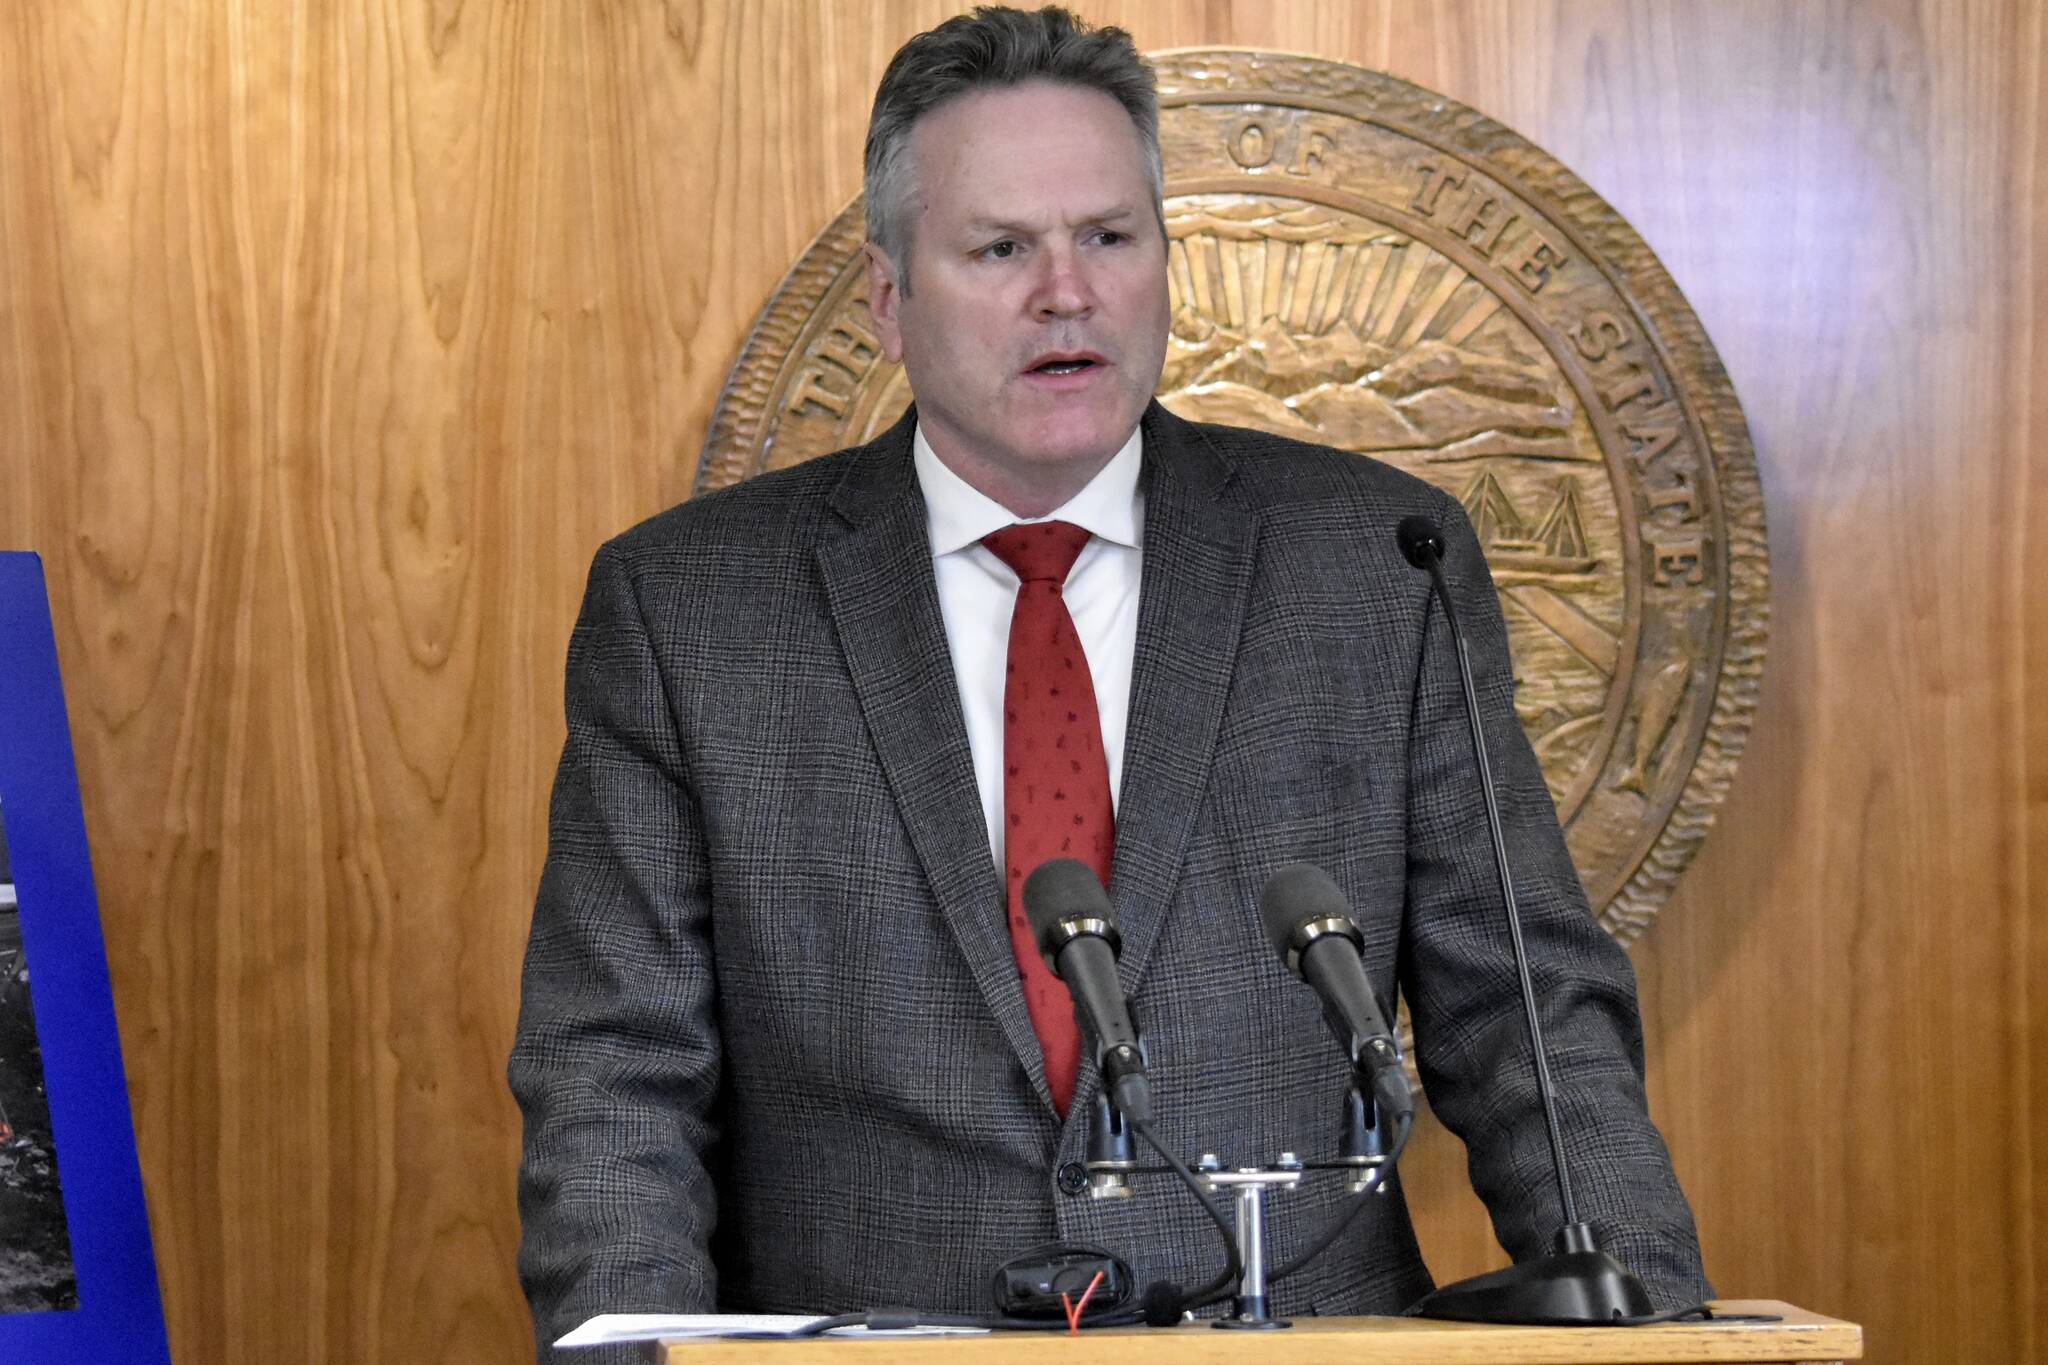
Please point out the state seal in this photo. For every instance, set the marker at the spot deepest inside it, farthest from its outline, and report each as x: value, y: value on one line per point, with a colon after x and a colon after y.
x: 1366, y: 264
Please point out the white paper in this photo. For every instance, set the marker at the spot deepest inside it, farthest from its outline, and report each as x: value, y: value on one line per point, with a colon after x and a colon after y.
x: 607, y: 1329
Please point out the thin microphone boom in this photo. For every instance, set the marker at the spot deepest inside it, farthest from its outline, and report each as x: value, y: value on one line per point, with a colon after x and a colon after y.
x: 1576, y: 1282
x: 1423, y: 545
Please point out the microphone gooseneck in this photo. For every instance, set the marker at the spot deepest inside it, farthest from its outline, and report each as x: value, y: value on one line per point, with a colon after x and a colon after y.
x: 1576, y: 1282
x: 1422, y: 543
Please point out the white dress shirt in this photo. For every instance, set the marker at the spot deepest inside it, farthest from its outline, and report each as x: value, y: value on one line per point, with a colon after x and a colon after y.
x: 977, y: 593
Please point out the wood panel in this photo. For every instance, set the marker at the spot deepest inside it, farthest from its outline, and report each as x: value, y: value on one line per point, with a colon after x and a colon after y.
x: 335, y: 336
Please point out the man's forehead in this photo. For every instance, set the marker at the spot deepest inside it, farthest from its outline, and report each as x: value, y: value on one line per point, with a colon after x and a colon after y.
x: 1063, y: 146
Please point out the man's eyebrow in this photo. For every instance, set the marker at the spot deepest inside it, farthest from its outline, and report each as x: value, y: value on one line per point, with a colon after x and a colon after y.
x: 1008, y: 225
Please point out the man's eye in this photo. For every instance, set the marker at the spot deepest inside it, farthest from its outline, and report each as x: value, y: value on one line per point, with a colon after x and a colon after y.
x: 1107, y: 237
x: 1000, y: 251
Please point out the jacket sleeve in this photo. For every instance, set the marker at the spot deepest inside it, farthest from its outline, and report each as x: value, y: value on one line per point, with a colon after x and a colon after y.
x: 1458, y: 974
x: 616, y: 1060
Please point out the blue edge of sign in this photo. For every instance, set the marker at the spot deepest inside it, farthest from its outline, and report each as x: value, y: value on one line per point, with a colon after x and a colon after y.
x: 119, y: 1315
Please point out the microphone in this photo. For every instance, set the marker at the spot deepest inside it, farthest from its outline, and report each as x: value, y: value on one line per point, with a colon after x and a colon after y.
x: 1311, y: 928
x: 1576, y: 1281
x: 1421, y: 543
x: 1076, y: 931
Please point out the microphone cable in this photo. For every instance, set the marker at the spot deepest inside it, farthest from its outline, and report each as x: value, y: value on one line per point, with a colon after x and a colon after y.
x: 1232, y: 1273
x: 1344, y: 1217
x: 1161, y: 1304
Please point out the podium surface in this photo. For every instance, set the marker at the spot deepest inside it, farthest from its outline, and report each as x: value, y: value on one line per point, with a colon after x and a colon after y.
x: 1797, y: 1336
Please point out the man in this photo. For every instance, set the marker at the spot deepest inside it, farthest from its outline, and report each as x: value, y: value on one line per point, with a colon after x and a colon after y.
x: 784, y: 1044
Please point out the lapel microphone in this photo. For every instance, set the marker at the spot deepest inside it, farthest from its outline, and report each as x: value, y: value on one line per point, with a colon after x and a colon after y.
x: 1576, y: 1281
x: 1074, y: 927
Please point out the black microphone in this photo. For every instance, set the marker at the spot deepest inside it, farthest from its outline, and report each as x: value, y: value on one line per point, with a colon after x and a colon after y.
x: 1421, y: 543
x: 1076, y: 930
x: 1576, y: 1282
x: 1312, y: 930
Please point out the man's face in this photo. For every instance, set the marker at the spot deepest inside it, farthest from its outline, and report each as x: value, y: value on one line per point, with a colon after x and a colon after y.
x: 1035, y: 323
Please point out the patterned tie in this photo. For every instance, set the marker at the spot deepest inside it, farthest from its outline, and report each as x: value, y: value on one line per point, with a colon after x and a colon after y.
x: 1055, y: 778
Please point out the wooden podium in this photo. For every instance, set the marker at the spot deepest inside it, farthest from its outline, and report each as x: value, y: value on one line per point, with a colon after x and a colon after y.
x: 1799, y: 1336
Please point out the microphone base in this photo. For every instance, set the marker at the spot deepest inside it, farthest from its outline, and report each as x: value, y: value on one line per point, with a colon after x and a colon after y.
x: 1251, y: 1317
x: 1565, y: 1288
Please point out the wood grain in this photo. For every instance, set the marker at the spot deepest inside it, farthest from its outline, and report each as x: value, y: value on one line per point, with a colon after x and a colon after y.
x: 1791, y: 1335
x: 335, y: 336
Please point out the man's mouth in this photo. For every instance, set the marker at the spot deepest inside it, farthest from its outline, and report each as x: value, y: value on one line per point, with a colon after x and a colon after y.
x: 1070, y: 362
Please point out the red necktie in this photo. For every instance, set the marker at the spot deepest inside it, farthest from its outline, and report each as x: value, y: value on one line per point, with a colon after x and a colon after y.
x: 1055, y: 778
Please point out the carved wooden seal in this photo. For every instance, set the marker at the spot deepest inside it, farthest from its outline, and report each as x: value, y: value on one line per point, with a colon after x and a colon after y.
x: 1362, y: 263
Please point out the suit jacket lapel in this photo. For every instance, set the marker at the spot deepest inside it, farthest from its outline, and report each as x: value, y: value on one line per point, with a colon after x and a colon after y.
x: 1196, y: 576
x: 884, y: 601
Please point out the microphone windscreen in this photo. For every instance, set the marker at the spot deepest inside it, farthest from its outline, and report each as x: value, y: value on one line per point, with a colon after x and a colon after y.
x: 1162, y: 1303
x: 1421, y: 542
x: 1295, y: 895
x: 1058, y: 889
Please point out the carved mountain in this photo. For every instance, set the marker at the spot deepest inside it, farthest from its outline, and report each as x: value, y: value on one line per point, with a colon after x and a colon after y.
x: 1445, y: 415
x: 1244, y: 406
x: 1193, y: 344
x: 1350, y: 391
x: 1278, y: 361
x: 1355, y: 418
x: 1436, y: 364
x: 1513, y: 445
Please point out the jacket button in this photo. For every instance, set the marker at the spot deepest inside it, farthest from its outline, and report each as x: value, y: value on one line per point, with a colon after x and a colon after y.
x: 1073, y: 1178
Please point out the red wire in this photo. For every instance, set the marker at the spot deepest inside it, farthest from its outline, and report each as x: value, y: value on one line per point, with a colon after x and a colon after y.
x: 1075, y: 1310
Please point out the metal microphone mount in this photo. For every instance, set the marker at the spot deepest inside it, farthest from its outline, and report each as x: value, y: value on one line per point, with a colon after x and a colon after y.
x: 1362, y: 1155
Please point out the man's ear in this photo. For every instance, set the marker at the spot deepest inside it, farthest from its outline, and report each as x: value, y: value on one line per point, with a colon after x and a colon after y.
x: 884, y: 293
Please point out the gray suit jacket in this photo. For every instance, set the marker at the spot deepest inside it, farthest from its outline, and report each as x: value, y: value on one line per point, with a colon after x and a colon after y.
x: 772, y: 1051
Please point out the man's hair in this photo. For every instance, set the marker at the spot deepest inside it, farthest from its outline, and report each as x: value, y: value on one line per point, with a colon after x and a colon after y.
x: 993, y: 48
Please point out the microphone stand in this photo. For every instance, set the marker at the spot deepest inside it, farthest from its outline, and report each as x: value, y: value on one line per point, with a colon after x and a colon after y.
x: 1575, y: 1282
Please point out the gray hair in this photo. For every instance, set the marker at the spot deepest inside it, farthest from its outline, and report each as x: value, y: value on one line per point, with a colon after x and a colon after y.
x: 993, y: 48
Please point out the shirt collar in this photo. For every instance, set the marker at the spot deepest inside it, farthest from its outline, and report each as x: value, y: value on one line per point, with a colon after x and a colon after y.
x: 958, y: 515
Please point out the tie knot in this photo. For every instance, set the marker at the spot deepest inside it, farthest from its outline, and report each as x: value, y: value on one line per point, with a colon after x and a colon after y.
x: 1041, y: 551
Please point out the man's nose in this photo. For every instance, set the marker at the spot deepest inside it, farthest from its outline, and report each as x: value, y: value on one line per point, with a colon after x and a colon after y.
x: 1063, y: 289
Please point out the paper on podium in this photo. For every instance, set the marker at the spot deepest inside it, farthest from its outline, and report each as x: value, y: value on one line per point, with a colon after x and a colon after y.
x: 610, y: 1329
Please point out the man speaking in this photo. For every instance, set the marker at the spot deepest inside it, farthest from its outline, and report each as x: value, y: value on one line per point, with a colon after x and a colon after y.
x: 785, y: 1040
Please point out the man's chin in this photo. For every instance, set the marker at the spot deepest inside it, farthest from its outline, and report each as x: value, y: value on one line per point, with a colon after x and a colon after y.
x: 1081, y: 442
x: 1050, y: 458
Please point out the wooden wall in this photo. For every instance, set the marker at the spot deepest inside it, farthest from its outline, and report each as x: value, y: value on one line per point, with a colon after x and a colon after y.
x: 335, y: 336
